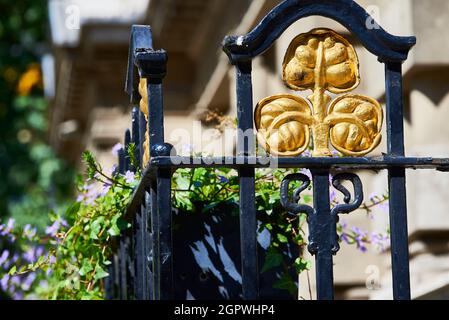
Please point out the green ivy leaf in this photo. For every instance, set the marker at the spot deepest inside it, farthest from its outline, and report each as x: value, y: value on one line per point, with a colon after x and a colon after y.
x: 86, y: 267
x: 12, y: 271
x: 272, y: 260
x: 302, y: 264
x: 286, y: 283
x: 100, y: 273
x: 73, y: 209
x: 282, y: 238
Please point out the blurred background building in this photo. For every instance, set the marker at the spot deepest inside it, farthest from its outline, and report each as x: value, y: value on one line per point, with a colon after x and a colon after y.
x: 85, y: 76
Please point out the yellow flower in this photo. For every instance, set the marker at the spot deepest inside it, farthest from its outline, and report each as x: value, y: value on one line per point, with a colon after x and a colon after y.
x: 31, y: 78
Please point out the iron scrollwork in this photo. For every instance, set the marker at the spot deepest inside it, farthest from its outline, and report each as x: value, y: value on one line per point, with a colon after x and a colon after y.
x: 292, y: 205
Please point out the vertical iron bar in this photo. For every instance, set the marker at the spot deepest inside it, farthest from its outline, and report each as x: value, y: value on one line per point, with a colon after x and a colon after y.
x: 396, y: 183
x: 109, y: 283
x: 165, y: 234
x: 139, y: 224
x: 322, y: 229
x: 148, y: 245
x: 116, y: 276
x: 161, y: 213
x: 248, y: 221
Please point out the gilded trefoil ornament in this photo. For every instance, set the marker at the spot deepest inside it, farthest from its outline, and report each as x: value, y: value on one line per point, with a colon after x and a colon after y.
x: 320, y: 60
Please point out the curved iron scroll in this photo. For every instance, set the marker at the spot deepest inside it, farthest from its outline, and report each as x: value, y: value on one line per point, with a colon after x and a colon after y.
x: 293, y: 206
x: 385, y: 46
x: 349, y: 205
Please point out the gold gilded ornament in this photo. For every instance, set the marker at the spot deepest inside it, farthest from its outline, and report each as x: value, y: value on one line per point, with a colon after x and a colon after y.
x: 320, y: 60
x: 144, y: 108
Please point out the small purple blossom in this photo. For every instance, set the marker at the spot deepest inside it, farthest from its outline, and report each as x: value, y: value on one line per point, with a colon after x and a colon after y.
x: 53, y: 229
x: 129, y: 177
x: 360, y: 237
x: 52, y: 259
x: 381, y: 241
x: 43, y: 284
x: 28, y: 281
x: 4, y: 257
x: 116, y: 149
x: 4, y: 282
x: 29, y: 232
x: 18, y: 296
x: 344, y: 237
x: 5, y: 230
x: 105, y: 189
x: 15, y: 280
x: 223, y: 179
x: 110, y: 172
x: 30, y: 255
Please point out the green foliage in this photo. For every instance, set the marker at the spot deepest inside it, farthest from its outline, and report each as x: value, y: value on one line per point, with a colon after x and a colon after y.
x: 79, y: 250
x: 82, y: 250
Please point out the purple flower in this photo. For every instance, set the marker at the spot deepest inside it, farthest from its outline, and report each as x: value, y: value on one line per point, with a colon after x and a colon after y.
x: 129, y: 177
x: 306, y: 153
x: 116, y: 149
x: 4, y: 282
x: 80, y: 197
x: 332, y: 195
x: 53, y: 229
x: 223, y: 179
x: 4, y: 257
x: 52, y: 259
x: 105, y: 189
x: 15, y: 257
x: 29, y: 232
x: 28, y: 281
x: 335, y: 153
x: 15, y: 280
x: 360, y: 237
x: 43, y: 284
x: 18, y: 296
x: 8, y: 228
x: 91, y: 196
x: 29, y: 255
x: 111, y: 170
x: 380, y: 240
x: 344, y: 237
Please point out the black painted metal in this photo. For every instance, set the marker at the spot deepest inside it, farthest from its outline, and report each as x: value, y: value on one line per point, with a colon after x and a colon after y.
x: 380, y: 43
x: 396, y: 183
x: 246, y: 147
x: 150, y: 212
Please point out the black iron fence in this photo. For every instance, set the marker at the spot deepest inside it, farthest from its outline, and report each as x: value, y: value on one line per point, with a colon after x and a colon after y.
x: 143, y: 265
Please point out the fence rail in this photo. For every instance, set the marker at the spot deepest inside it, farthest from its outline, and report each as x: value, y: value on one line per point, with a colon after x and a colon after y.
x: 143, y: 264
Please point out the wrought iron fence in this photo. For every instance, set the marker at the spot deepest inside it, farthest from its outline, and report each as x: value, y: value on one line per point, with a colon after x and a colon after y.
x: 320, y: 60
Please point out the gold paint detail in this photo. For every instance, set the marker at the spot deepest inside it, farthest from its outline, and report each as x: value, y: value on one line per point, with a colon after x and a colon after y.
x: 144, y: 109
x: 320, y: 60
x: 283, y: 124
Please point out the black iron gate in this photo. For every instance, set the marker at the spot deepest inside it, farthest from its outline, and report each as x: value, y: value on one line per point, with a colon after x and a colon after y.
x: 143, y: 264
